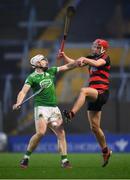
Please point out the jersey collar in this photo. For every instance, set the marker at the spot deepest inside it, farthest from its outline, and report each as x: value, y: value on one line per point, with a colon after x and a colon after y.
x: 39, y: 73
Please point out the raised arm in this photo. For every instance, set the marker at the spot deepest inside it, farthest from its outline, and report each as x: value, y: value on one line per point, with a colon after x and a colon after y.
x: 21, y: 96
x: 68, y: 66
x: 83, y: 60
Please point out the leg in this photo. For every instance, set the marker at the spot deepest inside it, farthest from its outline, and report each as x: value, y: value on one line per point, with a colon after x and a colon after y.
x: 85, y: 93
x: 62, y: 145
x: 94, y: 118
x: 41, y: 127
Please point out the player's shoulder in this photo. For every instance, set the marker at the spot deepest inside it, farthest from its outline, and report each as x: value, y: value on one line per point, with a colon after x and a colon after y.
x: 52, y: 70
x: 31, y: 75
x: 30, y: 78
x: 90, y: 56
x: 106, y: 57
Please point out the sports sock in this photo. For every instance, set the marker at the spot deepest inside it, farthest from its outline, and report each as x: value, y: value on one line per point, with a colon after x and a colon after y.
x: 27, y: 154
x: 64, y: 158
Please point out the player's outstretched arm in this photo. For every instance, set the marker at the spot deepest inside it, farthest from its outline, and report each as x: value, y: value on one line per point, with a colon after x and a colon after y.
x: 21, y: 96
x: 82, y: 61
x: 68, y: 66
x: 67, y: 59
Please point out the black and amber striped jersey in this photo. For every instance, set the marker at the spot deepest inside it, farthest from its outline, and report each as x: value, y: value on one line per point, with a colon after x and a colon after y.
x: 99, y: 76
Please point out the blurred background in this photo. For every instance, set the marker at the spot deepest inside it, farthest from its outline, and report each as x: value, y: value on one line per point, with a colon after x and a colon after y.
x: 30, y: 27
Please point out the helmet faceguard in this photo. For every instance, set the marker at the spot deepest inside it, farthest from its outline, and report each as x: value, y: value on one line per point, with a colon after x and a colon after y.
x: 38, y: 58
x: 99, y: 46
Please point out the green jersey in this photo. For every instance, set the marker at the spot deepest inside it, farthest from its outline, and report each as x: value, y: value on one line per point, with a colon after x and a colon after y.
x: 47, y: 97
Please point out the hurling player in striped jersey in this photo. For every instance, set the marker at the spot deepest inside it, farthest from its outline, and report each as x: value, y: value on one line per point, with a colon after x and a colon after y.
x: 97, y: 92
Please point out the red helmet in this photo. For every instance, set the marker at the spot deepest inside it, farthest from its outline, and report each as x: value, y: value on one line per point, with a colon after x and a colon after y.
x: 101, y: 42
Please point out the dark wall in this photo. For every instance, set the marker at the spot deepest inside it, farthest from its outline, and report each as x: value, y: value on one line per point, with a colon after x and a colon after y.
x: 100, y: 18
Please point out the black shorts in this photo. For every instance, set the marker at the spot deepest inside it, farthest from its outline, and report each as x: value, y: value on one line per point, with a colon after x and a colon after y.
x: 101, y: 100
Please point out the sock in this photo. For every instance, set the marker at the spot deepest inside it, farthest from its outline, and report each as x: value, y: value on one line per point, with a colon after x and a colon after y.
x: 64, y: 158
x: 27, y: 154
x: 105, y: 150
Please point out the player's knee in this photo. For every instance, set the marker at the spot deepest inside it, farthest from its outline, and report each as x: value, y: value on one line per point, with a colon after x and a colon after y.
x: 94, y: 128
x: 40, y: 134
x: 84, y: 91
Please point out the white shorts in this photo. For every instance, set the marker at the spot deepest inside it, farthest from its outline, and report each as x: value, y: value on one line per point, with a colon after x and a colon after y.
x: 50, y: 114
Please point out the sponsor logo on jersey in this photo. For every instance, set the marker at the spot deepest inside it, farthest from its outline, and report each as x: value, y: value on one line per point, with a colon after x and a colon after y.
x: 46, y: 83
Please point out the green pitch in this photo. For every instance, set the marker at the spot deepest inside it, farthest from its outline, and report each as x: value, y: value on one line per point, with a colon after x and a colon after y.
x: 47, y: 166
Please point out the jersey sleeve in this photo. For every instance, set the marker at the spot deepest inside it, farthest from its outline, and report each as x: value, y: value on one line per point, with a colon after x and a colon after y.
x: 107, y: 59
x: 53, y: 70
x: 29, y: 80
x: 90, y: 56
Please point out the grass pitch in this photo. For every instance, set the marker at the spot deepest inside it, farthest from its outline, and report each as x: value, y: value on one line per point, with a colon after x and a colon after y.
x: 47, y: 166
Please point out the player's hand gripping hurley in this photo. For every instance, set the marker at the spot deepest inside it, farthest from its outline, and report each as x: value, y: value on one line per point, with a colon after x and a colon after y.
x: 33, y: 95
x: 30, y: 97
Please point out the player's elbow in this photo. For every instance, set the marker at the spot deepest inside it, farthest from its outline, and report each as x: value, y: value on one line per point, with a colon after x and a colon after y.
x: 97, y: 64
x: 72, y: 60
x: 94, y: 129
x: 100, y: 63
x: 22, y: 94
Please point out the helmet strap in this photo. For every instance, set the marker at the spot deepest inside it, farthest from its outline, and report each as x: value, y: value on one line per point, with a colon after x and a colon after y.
x: 43, y: 68
x: 102, y: 50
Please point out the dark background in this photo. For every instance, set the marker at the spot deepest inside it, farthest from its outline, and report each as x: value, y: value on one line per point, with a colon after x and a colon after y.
x: 30, y: 27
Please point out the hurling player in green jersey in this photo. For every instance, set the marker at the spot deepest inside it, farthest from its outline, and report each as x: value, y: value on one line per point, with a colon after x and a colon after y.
x: 46, y: 111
